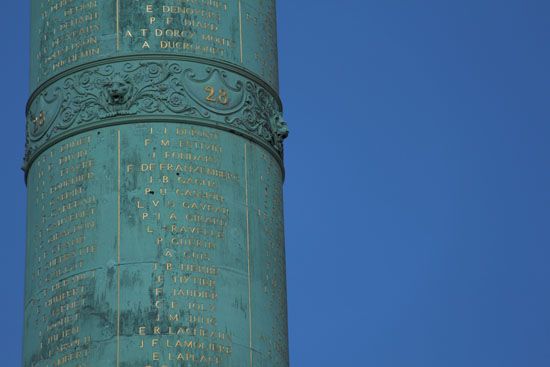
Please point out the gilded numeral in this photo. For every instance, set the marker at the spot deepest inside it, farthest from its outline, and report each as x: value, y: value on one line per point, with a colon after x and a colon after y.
x: 221, y: 97
x: 211, y: 97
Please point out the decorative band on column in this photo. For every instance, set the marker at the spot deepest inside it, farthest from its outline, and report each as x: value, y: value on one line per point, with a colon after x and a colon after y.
x: 174, y: 90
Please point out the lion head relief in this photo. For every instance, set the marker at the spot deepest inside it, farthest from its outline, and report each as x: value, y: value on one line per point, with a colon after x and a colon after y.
x: 118, y: 89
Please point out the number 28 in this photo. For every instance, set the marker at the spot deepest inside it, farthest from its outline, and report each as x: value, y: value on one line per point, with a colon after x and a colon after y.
x: 220, y: 97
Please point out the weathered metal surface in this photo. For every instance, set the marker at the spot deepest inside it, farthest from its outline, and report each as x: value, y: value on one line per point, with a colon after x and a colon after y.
x: 68, y: 33
x: 155, y: 224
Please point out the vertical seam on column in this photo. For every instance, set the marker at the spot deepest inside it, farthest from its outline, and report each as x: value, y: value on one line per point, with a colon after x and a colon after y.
x: 248, y: 251
x: 118, y: 25
x: 118, y: 251
x: 241, y: 29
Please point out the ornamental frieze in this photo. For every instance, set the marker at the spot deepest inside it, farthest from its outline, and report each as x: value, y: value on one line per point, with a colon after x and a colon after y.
x: 169, y: 89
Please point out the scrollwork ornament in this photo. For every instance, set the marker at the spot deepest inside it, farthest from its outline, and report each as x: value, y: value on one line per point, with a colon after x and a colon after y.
x: 153, y: 88
x: 261, y: 115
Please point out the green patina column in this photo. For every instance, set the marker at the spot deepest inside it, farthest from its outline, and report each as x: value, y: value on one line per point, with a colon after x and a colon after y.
x: 154, y: 166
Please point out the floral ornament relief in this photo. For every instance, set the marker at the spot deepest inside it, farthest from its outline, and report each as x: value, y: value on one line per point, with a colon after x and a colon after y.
x: 146, y: 87
x: 151, y: 87
x: 261, y: 115
x: 44, y: 112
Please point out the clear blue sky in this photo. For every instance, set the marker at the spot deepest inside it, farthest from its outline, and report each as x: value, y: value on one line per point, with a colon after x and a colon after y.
x: 418, y: 181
